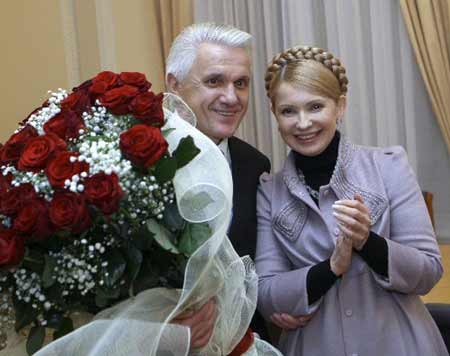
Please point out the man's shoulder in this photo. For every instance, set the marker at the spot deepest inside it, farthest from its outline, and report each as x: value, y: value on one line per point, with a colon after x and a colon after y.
x: 246, y: 152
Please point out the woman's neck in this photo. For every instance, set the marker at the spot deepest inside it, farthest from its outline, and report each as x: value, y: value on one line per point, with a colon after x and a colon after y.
x: 319, y: 169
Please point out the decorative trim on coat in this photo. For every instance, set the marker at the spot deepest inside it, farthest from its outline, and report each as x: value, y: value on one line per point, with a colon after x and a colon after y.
x: 291, y: 218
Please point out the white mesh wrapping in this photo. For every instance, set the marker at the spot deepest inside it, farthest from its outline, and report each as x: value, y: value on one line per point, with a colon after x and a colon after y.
x: 140, y: 325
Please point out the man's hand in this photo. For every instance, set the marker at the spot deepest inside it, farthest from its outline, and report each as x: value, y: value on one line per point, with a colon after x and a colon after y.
x: 289, y: 322
x: 201, y: 322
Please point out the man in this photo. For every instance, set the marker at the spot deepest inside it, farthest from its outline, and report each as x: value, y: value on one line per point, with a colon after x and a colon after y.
x: 209, y: 68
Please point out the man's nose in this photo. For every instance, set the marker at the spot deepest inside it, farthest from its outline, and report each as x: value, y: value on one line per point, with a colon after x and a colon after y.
x: 303, y: 121
x: 230, y: 96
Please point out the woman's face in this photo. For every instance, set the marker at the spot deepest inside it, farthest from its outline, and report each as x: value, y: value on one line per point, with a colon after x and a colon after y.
x: 306, y: 121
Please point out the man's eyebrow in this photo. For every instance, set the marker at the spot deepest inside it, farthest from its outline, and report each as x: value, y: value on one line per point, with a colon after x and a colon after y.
x: 213, y: 74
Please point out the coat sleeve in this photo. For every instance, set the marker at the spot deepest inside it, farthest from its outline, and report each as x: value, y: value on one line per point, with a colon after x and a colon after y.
x: 414, y: 261
x: 281, y: 288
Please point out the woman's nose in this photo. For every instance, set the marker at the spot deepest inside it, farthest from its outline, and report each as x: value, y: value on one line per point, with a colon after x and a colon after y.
x: 303, y: 121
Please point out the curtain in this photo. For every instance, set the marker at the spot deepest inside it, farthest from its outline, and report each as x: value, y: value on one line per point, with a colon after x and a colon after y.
x: 387, y: 100
x: 428, y: 26
x: 172, y: 16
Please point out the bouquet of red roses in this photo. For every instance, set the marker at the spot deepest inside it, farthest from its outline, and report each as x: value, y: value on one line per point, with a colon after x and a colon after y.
x: 87, y: 205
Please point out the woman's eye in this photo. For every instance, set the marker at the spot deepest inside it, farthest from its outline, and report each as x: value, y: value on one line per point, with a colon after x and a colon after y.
x: 287, y: 111
x: 316, y: 107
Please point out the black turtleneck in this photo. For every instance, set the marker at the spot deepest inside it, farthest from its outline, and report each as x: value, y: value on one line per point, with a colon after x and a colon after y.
x: 317, y: 171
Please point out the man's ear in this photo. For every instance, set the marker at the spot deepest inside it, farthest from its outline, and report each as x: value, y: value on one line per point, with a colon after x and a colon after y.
x: 173, y: 85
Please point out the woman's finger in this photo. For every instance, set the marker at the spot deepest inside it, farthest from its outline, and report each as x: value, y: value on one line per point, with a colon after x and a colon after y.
x: 361, y: 216
x: 293, y: 322
x: 282, y: 323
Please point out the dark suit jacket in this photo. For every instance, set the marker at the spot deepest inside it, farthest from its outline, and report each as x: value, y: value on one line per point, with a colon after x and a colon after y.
x: 247, y: 164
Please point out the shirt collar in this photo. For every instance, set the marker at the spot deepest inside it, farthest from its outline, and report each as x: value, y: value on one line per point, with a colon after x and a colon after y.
x: 224, y: 147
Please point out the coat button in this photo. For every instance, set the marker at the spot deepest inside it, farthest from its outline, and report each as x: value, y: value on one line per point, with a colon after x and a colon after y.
x: 336, y: 231
x: 349, y: 312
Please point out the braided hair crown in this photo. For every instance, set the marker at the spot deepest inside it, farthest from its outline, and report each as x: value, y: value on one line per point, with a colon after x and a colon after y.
x: 305, y: 53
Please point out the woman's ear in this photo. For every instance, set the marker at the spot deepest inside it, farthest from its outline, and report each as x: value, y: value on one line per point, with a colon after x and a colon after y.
x: 272, y: 106
x: 342, y: 105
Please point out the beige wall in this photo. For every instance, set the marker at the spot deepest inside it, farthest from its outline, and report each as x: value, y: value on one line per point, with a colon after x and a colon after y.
x: 32, y: 58
x: 48, y: 44
x: 137, y: 40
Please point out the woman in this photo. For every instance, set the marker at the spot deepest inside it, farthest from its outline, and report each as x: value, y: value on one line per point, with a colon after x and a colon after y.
x: 343, y: 231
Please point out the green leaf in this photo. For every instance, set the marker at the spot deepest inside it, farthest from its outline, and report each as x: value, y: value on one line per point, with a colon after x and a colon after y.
x: 165, y: 169
x: 186, y: 151
x: 54, y: 293
x: 35, y: 339
x: 143, y: 239
x: 166, y: 132
x: 48, y: 276
x: 115, y: 268
x: 134, y: 261
x: 197, y: 201
x: 34, y: 260
x: 148, y: 276
x: 172, y: 218
x: 162, y: 236
x: 101, y: 301
x: 25, y: 314
x: 193, y: 236
x: 65, y: 327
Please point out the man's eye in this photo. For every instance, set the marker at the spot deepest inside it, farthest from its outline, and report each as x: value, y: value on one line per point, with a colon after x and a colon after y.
x: 212, y: 81
x: 241, y: 83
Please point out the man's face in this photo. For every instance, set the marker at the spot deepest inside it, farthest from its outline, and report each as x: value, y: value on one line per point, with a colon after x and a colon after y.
x: 217, y: 89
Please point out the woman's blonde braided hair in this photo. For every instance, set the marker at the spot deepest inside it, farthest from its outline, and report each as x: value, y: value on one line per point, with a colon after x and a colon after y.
x: 304, y: 53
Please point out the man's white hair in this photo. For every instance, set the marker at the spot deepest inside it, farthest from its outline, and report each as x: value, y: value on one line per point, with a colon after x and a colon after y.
x: 185, y: 47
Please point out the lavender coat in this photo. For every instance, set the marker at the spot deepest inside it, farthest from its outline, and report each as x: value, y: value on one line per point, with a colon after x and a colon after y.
x: 363, y: 313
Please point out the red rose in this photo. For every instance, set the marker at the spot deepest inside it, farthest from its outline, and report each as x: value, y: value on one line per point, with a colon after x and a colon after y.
x: 135, y: 79
x: 33, y: 220
x: 97, y: 89
x: 38, y: 151
x: 117, y: 99
x: 83, y: 86
x: 143, y: 145
x: 5, y: 183
x: 111, y: 79
x: 65, y: 125
x: 12, y: 248
x: 11, y: 151
x: 13, y: 200
x: 104, y: 191
x: 103, y: 82
x: 60, y: 168
x: 147, y: 107
x: 78, y: 102
x: 68, y: 211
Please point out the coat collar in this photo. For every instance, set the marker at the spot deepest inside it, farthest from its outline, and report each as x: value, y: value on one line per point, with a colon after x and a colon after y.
x: 342, y: 181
